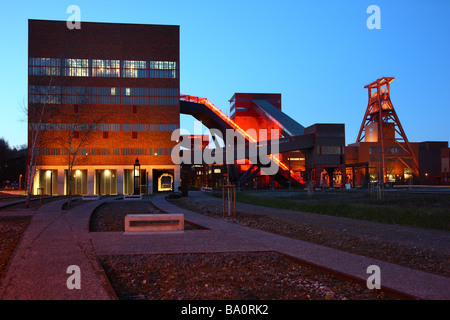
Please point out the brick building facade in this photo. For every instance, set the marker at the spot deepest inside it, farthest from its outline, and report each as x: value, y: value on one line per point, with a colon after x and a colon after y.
x: 111, y: 96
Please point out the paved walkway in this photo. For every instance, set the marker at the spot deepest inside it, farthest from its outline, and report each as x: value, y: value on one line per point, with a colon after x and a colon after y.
x: 57, y: 239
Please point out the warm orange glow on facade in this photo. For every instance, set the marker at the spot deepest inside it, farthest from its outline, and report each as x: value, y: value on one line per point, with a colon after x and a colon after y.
x: 219, y: 112
x: 103, y: 105
x: 235, y: 126
x: 382, y: 141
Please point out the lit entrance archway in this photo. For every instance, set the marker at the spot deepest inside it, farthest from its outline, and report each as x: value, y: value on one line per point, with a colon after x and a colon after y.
x: 106, y: 181
x: 48, y: 182
x: 165, y: 182
x: 78, y: 182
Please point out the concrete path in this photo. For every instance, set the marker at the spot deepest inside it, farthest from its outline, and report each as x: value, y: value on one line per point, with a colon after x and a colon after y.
x: 57, y: 239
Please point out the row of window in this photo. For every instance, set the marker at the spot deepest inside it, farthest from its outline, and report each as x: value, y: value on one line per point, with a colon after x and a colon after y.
x: 55, y: 62
x: 103, y: 95
x: 388, y: 150
x: 103, y: 68
x: 60, y: 151
x: 103, y: 91
x: 377, y: 159
x: 336, y: 150
x: 102, y: 127
x: 143, y: 101
x: 106, y: 151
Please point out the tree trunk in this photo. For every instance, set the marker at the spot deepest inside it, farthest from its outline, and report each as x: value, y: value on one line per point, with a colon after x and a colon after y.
x: 30, y: 179
x: 29, y: 187
x: 69, y: 181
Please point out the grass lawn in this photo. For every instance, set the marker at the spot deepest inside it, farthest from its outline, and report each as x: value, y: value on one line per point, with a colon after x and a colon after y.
x: 431, y: 211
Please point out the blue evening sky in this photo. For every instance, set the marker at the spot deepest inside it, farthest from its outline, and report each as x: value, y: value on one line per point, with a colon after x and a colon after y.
x: 318, y: 54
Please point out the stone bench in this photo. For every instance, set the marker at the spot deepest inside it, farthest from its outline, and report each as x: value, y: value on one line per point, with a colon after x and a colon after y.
x: 132, y: 197
x: 90, y: 197
x: 154, y: 222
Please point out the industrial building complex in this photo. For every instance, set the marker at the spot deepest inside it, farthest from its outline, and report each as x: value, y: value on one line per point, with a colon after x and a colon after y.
x: 104, y: 101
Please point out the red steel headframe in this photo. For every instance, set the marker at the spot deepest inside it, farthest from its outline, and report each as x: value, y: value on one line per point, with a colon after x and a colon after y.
x: 381, y: 111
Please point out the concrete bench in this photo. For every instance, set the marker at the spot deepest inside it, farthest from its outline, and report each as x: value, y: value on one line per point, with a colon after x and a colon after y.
x: 132, y: 197
x: 90, y: 197
x: 154, y: 222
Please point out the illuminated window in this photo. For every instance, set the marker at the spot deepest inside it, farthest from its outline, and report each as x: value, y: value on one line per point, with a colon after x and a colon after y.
x: 135, y: 96
x: 163, y: 65
x: 106, y: 68
x: 76, y: 67
x: 105, y: 95
x: 103, y: 68
x: 134, y: 69
x: 163, y: 69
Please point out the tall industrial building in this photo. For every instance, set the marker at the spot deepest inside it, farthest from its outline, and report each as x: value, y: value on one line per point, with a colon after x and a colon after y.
x: 382, y: 151
x: 321, y: 162
x: 111, y: 97
x: 246, y: 111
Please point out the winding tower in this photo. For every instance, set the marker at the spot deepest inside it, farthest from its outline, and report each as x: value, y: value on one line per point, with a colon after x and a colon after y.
x: 381, y: 125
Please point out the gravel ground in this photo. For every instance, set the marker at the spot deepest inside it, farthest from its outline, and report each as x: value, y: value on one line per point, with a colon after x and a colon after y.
x: 222, y: 276
x: 226, y: 276
x: 34, y: 205
x: 11, y: 230
x: 425, y: 259
x: 110, y: 216
x: 215, y: 276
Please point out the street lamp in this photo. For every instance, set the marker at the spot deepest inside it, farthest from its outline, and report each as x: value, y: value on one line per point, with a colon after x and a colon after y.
x: 137, y: 176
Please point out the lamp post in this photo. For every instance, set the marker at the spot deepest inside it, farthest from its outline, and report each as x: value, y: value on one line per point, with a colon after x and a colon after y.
x: 137, y: 176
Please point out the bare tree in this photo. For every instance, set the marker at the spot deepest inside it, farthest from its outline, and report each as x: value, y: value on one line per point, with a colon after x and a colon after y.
x: 48, y: 106
x: 80, y: 128
x: 39, y: 109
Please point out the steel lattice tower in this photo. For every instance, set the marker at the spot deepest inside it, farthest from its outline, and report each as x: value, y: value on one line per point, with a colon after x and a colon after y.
x: 385, y: 128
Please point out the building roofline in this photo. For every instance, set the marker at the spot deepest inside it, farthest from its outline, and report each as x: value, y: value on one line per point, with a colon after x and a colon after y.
x: 116, y: 23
